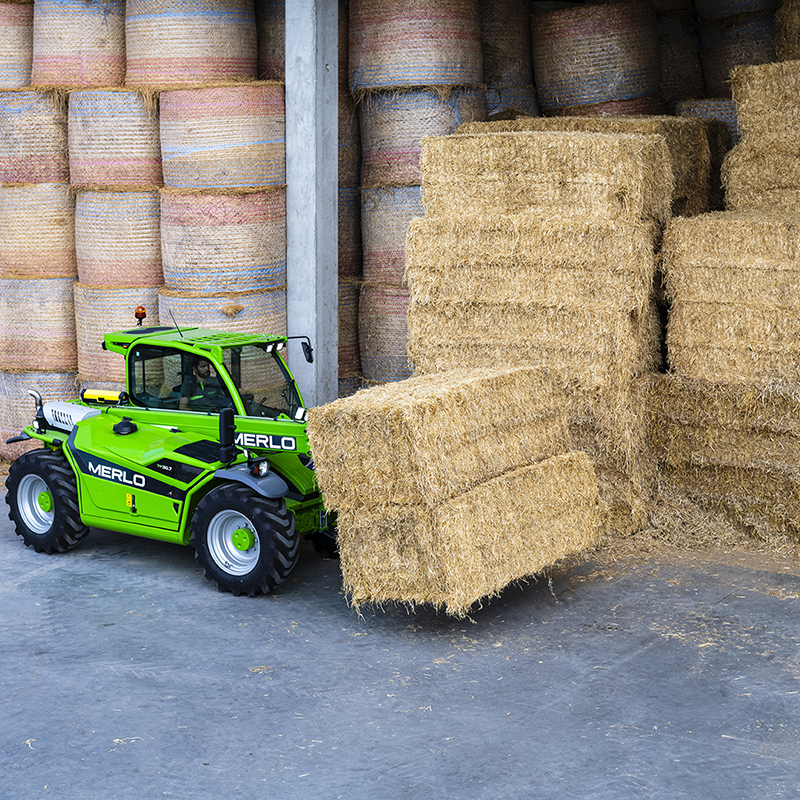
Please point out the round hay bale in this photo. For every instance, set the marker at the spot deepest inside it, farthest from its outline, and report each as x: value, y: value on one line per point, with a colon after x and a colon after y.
x: 118, y: 238
x: 414, y: 43
x: 349, y: 358
x: 16, y: 44
x: 37, y: 231
x: 724, y: 9
x: 721, y: 109
x: 385, y: 215
x: 246, y: 312
x: 224, y: 137
x: 787, y: 31
x: 681, y: 68
x: 383, y: 333
x: 33, y: 138
x: 37, y: 328
x: 113, y: 139
x: 394, y: 122
x: 595, y: 54
x: 78, y: 43
x: 349, y: 232
x: 224, y: 242
x: 726, y: 46
x: 99, y: 310
x: 17, y: 408
x: 349, y: 140
x: 179, y: 43
x: 511, y: 101
x: 506, y: 42
x: 636, y: 106
x: 270, y: 31
x: 349, y: 386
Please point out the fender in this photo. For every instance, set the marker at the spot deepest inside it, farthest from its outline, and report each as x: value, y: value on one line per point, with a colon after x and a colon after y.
x: 270, y: 485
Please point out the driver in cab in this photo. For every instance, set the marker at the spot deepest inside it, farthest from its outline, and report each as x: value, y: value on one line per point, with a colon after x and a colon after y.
x: 202, y: 390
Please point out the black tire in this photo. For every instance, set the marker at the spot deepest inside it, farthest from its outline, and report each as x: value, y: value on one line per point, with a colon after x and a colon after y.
x: 56, y: 526
x: 274, y: 544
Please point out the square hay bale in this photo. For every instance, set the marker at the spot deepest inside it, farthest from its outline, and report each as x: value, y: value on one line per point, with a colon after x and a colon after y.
x: 757, y: 178
x: 733, y: 280
x: 546, y: 258
x: 766, y: 104
x: 617, y: 175
x: 426, y: 439
x: 687, y: 139
x: 471, y: 546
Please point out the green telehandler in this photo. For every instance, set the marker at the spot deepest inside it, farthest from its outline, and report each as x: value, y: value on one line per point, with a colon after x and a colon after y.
x: 207, y: 447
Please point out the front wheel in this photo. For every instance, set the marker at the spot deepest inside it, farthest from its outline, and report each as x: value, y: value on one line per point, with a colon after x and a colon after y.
x: 43, y: 502
x: 246, y: 543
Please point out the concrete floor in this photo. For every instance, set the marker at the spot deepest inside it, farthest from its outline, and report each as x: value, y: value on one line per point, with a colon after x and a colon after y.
x: 125, y: 674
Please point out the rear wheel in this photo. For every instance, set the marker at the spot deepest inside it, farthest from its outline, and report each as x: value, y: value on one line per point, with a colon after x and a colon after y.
x: 246, y: 543
x: 43, y: 502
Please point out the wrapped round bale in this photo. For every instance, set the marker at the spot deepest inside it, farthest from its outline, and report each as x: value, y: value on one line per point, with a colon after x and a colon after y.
x: 37, y: 231
x: 682, y: 75
x: 224, y: 242
x: 16, y: 44
x: 37, y: 330
x: 393, y: 124
x: 100, y: 310
x: 224, y: 137
x: 33, y: 138
x: 414, y: 43
x: 17, y: 409
x: 247, y: 312
x: 383, y: 333
x: 787, y: 31
x: 622, y: 176
x: 349, y: 225
x: 507, y: 101
x: 78, y: 43
x: 385, y: 215
x: 271, y: 34
x: 431, y: 438
x: 174, y: 43
x: 113, y: 139
x: 349, y: 358
x: 349, y: 140
x: 118, y: 238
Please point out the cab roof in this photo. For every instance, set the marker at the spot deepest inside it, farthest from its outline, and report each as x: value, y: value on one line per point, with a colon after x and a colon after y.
x: 189, y: 338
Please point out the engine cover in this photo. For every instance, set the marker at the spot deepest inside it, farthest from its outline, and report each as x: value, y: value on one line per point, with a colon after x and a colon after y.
x: 65, y: 416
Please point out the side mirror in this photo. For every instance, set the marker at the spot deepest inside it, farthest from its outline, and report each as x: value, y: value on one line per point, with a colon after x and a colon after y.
x: 227, y: 435
x: 308, y: 351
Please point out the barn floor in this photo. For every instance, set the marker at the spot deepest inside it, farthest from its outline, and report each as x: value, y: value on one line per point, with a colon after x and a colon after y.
x: 126, y: 675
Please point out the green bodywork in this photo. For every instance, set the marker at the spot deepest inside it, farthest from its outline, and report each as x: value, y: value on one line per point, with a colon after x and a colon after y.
x: 148, y: 482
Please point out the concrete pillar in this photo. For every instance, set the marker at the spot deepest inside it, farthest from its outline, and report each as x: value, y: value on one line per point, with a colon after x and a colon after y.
x: 312, y: 193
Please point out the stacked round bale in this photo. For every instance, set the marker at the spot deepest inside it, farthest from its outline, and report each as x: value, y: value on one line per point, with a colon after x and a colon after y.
x: 450, y: 486
x: 507, y: 58
x: 729, y: 413
x: 681, y: 67
x: 16, y: 43
x: 787, y: 31
x: 540, y: 248
x: 115, y: 169
x: 598, y: 59
x: 37, y: 259
x: 763, y: 170
x: 734, y: 32
x: 415, y: 69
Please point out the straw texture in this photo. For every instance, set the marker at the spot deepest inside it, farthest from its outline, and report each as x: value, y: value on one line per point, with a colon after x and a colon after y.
x: 621, y: 176
x: 224, y: 137
x: 17, y: 409
x: 349, y: 140
x: 99, y: 309
x: 686, y: 140
x: 385, y: 215
x: 248, y: 312
x: 33, y: 138
x: 394, y: 122
x: 383, y: 333
x: 349, y: 225
x: 16, y: 44
x: 471, y: 547
x: 349, y: 356
x: 185, y: 42
x: 506, y: 43
x: 787, y: 31
x: 224, y: 242
x: 721, y: 109
x: 113, y: 140
x: 76, y: 43
x: 270, y: 30
x: 118, y: 238
x: 37, y: 231
x: 682, y: 76
x: 595, y: 54
x: 511, y: 101
x: 37, y: 330
x: 414, y: 43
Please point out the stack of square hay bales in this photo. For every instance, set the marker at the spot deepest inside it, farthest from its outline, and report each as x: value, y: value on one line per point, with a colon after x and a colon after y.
x: 729, y: 415
x: 450, y: 486
x: 539, y: 248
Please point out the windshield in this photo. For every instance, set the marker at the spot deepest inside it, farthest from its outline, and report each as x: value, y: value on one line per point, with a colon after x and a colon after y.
x: 262, y: 380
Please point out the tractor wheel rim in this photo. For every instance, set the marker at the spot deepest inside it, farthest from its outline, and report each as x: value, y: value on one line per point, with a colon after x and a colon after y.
x: 30, y: 490
x: 221, y: 545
